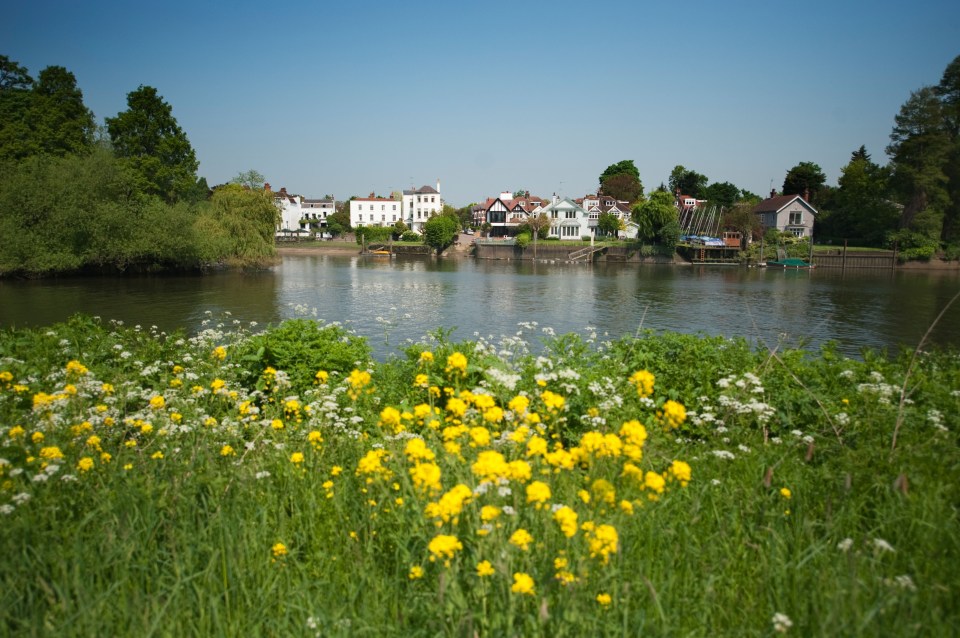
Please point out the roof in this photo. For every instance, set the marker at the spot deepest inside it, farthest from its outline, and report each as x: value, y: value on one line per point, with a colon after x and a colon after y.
x: 373, y: 199
x: 420, y: 191
x: 778, y: 203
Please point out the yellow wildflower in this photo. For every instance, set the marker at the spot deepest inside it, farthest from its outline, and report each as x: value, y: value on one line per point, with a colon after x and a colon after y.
x: 643, y: 380
x: 521, y: 539
x: 538, y: 492
x: 296, y: 458
x: 219, y: 353
x: 523, y: 584
x: 279, y: 550
x: 444, y: 546
x: 457, y: 364
x: 484, y: 568
x: 227, y: 450
x: 415, y: 573
x: 157, y: 402
x: 567, y: 518
x: 85, y: 464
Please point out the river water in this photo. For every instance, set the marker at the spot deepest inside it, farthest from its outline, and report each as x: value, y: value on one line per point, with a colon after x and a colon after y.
x: 392, y: 300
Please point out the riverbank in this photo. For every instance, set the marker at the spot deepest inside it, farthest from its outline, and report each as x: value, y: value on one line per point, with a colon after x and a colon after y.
x: 227, y: 483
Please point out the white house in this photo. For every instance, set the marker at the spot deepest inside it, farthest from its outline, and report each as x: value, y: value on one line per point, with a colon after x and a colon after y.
x: 788, y: 213
x: 290, y: 210
x: 374, y: 211
x: 419, y: 204
x: 315, y: 212
x: 568, y: 220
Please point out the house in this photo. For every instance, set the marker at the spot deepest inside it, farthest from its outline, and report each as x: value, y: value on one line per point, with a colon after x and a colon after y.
x: 599, y: 204
x: 290, y: 211
x: 506, y: 212
x: 419, y: 205
x: 787, y: 213
x: 315, y: 212
x: 568, y: 220
x: 374, y: 211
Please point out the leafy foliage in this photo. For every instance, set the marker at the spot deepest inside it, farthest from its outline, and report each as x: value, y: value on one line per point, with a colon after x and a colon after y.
x: 439, y: 232
x: 301, y: 348
x: 150, y: 139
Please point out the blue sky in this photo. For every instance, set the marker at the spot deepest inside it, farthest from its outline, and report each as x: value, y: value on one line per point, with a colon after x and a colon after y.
x: 349, y: 98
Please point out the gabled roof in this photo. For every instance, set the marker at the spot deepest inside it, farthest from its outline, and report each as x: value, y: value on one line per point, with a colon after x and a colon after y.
x: 778, y: 203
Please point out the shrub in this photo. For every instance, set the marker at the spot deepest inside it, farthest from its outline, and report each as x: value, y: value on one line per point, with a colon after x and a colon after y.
x: 411, y: 236
x: 301, y: 348
x: 523, y: 240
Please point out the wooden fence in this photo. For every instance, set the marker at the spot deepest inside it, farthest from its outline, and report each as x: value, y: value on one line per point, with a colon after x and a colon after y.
x: 840, y: 258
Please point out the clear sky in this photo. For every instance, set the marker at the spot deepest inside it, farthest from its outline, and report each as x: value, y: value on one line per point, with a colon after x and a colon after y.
x: 358, y: 96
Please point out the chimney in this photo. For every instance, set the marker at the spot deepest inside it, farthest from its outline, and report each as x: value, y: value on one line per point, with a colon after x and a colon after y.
x: 555, y: 198
x: 438, y: 184
x: 266, y: 186
x: 806, y: 194
x: 773, y: 192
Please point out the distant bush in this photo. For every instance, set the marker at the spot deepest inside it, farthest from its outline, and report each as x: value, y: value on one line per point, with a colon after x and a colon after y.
x: 411, y: 236
x: 523, y: 240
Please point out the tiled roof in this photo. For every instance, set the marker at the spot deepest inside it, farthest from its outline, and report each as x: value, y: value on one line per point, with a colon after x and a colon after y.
x: 773, y: 204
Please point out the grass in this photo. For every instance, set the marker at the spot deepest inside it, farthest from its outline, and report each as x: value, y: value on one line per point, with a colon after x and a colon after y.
x: 260, y: 498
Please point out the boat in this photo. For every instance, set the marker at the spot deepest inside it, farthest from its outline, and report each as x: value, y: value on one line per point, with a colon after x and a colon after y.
x: 790, y: 263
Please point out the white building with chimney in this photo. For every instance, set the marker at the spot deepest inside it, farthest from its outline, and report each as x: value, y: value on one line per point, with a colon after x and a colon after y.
x: 374, y: 211
x: 419, y: 204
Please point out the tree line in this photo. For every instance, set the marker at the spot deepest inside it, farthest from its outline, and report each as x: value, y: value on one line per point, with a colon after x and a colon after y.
x: 123, y: 196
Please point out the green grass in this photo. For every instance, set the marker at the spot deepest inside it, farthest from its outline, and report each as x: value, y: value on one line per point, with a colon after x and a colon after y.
x: 183, y: 544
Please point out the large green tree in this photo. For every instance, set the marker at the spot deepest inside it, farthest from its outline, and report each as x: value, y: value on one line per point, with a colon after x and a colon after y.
x: 149, y: 137
x: 860, y: 208
x: 919, y: 147
x: 807, y: 180
x: 61, y: 122
x: 46, y: 117
x: 439, y: 232
x: 657, y: 220
x: 688, y: 182
x: 949, y: 93
x: 723, y: 194
x: 622, y: 181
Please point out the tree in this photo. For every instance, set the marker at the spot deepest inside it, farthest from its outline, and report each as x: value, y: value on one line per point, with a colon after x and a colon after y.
x: 13, y: 76
x: 657, y: 220
x: 339, y: 222
x: 608, y: 224
x: 622, y: 180
x: 625, y: 166
x: 61, y: 123
x: 919, y: 147
x: 623, y: 186
x: 148, y: 136
x: 723, y: 194
x: 43, y: 117
x: 439, y: 232
x: 860, y: 208
x: 252, y: 179
x: 948, y: 91
x: 687, y: 182
x: 805, y: 179
x: 742, y: 218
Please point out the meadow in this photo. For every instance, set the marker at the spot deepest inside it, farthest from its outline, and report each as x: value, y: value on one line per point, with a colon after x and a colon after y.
x: 280, y: 481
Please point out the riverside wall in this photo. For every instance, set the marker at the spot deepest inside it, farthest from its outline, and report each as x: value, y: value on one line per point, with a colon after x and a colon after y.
x: 547, y: 252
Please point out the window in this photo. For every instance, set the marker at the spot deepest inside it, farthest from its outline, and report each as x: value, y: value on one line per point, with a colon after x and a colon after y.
x: 796, y: 219
x: 571, y: 214
x: 383, y: 218
x: 797, y: 232
x: 431, y: 199
x: 394, y: 207
x: 361, y: 217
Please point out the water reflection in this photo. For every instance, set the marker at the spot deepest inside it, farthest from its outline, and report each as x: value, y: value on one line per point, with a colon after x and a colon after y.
x: 393, y: 300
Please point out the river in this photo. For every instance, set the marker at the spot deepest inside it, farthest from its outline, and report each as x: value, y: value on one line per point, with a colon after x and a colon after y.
x: 393, y: 300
